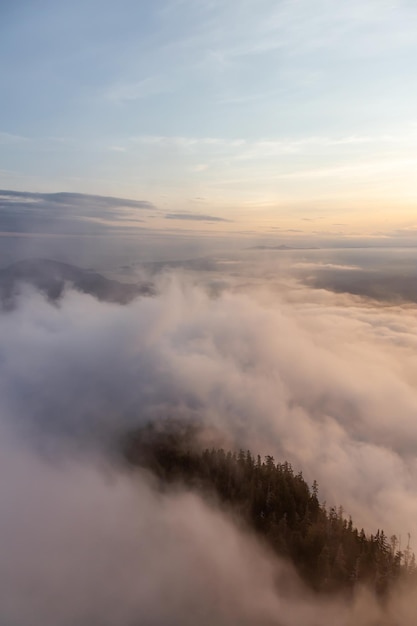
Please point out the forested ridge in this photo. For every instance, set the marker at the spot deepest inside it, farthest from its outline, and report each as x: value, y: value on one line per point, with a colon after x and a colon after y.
x: 328, y: 551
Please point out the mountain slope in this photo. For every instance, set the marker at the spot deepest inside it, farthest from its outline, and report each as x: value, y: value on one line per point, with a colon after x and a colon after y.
x: 329, y: 553
x: 53, y: 277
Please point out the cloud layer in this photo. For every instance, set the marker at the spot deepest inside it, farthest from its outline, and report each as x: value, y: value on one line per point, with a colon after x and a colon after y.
x: 66, y: 213
x: 89, y: 545
x: 325, y: 381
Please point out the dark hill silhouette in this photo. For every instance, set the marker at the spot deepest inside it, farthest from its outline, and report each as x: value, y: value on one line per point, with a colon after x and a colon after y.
x: 328, y: 551
x: 53, y: 277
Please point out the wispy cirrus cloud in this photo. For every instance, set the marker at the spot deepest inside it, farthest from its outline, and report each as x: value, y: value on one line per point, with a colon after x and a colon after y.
x: 195, y: 217
x: 138, y: 90
x: 11, y: 138
x: 66, y: 213
x: 242, y: 148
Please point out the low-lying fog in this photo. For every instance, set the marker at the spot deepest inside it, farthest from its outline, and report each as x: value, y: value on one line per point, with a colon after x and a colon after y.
x: 281, y: 352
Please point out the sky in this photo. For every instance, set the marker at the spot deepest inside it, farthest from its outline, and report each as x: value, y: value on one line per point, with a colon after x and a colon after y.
x: 264, y: 113
x: 231, y: 157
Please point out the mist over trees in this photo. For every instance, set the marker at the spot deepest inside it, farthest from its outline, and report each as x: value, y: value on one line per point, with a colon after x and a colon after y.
x: 222, y: 536
x: 328, y: 551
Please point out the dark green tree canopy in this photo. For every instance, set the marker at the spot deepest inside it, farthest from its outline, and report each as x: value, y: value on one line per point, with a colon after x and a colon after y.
x: 328, y: 551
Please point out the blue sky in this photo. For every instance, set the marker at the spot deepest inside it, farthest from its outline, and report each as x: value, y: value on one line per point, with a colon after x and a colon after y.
x: 262, y: 112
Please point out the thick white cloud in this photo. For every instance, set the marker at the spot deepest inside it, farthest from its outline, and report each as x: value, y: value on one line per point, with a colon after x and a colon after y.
x: 87, y: 544
x: 325, y: 381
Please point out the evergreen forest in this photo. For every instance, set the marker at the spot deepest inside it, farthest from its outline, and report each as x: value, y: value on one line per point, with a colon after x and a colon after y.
x: 329, y: 552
